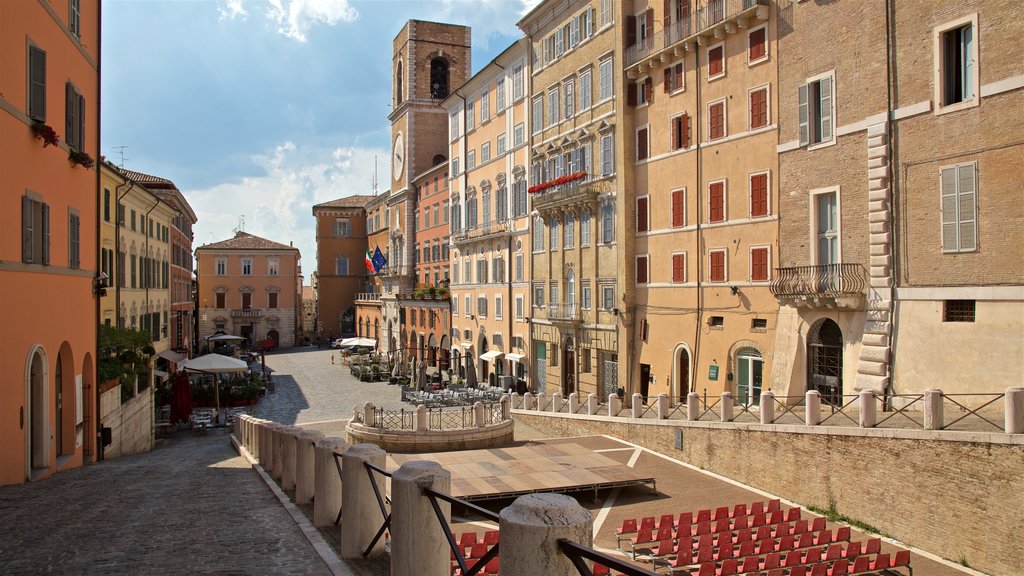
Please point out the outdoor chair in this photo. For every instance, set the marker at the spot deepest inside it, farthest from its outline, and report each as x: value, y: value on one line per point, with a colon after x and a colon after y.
x: 902, y: 560
x: 834, y: 552
x: 491, y: 537
x: 881, y: 562
x: 873, y: 546
x: 739, y: 510
x: 842, y: 534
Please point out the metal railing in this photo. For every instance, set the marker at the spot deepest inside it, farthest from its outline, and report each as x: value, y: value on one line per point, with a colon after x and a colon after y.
x: 820, y: 280
x: 386, y: 525
x: 567, y: 312
x: 972, y: 411
x: 582, y: 191
x: 457, y: 552
x: 481, y: 230
x: 578, y: 554
x: 394, y: 419
x: 437, y: 418
x: 246, y: 313
x: 911, y: 401
x: 841, y: 410
x: 787, y: 407
x: 710, y: 14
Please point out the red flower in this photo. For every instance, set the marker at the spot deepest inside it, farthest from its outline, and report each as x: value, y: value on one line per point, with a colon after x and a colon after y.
x: 45, y: 133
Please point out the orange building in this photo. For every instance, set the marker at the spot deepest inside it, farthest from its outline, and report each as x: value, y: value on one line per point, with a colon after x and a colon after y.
x: 250, y: 287
x: 369, y: 312
x: 341, y: 263
x: 49, y: 119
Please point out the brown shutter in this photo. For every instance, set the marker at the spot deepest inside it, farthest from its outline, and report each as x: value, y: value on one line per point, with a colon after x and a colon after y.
x: 641, y: 144
x: 759, y: 264
x: 678, y: 267
x: 631, y: 94
x: 716, y: 202
x: 37, y: 84
x: 717, y: 267
x: 81, y: 123
x: 667, y: 14
x: 641, y: 215
x: 759, y: 195
x: 668, y: 80
x: 641, y: 270
x: 26, y: 229
x: 70, y: 108
x: 686, y: 130
x: 630, y: 31
x: 649, y: 24
x: 46, y: 234
x: 677, y: 208
x: 675, y: 133
x: 649, y: 89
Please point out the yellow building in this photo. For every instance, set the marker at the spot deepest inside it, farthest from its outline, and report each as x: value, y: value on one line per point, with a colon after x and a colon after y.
x: 490, y: 245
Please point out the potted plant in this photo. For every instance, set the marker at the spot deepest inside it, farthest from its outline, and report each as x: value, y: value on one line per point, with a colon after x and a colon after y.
x: 80, y: 158
x: 44, y: 132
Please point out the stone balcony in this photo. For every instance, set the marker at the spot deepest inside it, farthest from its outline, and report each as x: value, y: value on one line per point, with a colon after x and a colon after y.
x: 833, y: 286
x: 487, y: 230
x: 246, y: 313
x: 573, y: 196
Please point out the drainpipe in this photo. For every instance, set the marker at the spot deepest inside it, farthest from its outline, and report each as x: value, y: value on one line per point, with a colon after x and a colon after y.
x: 700, y: 244
x: 890, y: 8
x: 97, y: 440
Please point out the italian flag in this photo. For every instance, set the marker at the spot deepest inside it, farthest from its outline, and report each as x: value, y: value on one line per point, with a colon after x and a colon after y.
x: 369, y: 262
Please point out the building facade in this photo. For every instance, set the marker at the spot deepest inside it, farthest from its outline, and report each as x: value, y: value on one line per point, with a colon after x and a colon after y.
x: 49, y: 118
x: 250, y: 287
x: 489, y: 221
x: 369, y: 310
x: 341, y: 254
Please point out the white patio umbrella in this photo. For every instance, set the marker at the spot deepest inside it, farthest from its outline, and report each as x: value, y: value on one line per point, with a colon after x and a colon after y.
x: 223, y: 338
x: 215, y: 364
x: 359, y: 342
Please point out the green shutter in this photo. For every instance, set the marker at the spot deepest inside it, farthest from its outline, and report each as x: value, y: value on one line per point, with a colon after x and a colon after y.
x: 81, y: 123
x: 950, y: 242
x: 802, y: 93
x: 70, y: 111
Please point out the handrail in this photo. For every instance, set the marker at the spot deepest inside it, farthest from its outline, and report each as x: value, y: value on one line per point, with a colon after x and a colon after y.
x: 995, y: 397
x: 855, y: 398
x: 370, y: 469
x: 577, y: 553
x: 466, y: 570
x: 915, y: 398
x: 786, y: 408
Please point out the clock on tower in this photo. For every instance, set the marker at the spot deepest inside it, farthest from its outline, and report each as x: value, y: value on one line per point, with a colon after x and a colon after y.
x: 398, y: 157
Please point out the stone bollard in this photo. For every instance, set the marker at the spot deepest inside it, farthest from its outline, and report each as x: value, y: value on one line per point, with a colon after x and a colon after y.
x: 574, y: 402
x: 289, y: 439
x: 592, y: 404
x: 422, y: 421
x: 478, y: 414
x: 305, y: 465
x: 368, y: 414
x: 663, y: 406
x: 933, y: 417
x: 418, y: 543
x: 812, y: 408
x: 361, y: 516
x: 530, y: 530
x: 767, y: 407
x: 868, y: 410
x: 506, y: 405
x: 515, y: 401
x: 727, y: 404
x: 556, y: 402
x: 528, y: 401
x: 637, y: 408
x: 1013, y: 416
x: 692, y: 407
x: 327, y: 482
x: 614, y: 405
x: 542, y: 402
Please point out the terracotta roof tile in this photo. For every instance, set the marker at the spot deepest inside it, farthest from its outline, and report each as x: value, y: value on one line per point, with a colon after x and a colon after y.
x: 148, y: 180
x: 246, y: 241
x: 356, y: 201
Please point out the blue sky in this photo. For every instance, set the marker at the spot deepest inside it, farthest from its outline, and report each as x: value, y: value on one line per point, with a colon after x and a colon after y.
x: 263, y: 108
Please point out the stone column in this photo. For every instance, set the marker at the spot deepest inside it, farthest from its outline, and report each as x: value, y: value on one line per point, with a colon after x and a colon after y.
x: 266, y: 446
x: 542, y: 402
x: 528, y: 401
x: 556, y: 402
x: 1013, y: 415
x: 530, y: 530
x: 727, y: 414
x: 506, y: 405
x: 418, y: 543
x: 933, y: 417
x: 637, y: 408
x: 478, y: 414
x: 360, y: 517
x: 290, y: 442
x: 592, y: 404
x: 812, y: 408
x: 422, y: 422
x: 767, y: 407
x: 305, y: 465
x: 868, y: 410
x: 663, y: 406
x: 614, y: 405
x: 692, y: 407
x: 574, y: 402
x: 368, y: 409
x: 327, y: 483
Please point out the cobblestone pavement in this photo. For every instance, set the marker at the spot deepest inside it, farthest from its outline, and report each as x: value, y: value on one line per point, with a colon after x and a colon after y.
x: 190, y: 506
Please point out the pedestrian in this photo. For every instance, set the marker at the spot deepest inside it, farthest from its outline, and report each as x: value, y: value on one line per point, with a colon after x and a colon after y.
x: 332, y: 358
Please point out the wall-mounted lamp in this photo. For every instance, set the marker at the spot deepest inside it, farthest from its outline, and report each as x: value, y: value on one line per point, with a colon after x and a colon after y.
x: 99, y: 284
x: 734, y: 290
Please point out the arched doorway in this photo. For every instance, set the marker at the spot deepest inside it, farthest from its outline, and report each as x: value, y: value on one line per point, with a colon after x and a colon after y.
x: 457, y: 364
x: 568, y: 366
x: 749, y: 376
x: 64, y: 402
x: 681, y: 377
x: 432, y: 350
x: 412, y: 346
x: 485, y: 366
x: 36, y: 412
x: 825, y: 361
x: 275, y: 336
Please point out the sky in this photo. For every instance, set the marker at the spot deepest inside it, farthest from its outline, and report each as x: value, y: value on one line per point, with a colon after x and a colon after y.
x: 262, y: 108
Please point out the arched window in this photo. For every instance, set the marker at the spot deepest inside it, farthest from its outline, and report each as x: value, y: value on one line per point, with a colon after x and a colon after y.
x: 438, y: 78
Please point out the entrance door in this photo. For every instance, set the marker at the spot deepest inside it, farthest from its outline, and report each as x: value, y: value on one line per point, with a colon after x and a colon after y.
x: 828, y: 241
x: 246, y: 332
x: 749, y: 377
x: 540, y: 367
x: 825, y: 362
x: 570, y: 296
x: 276, y: 337
x: 568, y: 371
x: 645, y: 380
x: 37, y: 412
x: 683, y: 376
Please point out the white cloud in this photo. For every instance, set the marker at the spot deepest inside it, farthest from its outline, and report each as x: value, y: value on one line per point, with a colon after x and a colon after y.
x: 277, y: 205
x: 231, y: 9
x: 294, y: 18
x: 487, y: 18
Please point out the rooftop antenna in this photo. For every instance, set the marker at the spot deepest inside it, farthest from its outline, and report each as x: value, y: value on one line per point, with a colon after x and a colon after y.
x: 373, y: 182
x: 241, y: 224
x: 120, y: 152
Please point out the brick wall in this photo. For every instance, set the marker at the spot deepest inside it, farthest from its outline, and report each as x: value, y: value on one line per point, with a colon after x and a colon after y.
x: 957, y: 499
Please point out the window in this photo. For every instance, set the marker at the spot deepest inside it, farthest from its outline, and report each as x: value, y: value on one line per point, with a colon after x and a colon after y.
x: 640, y: 93
x: 518, y: 136
x: 642, y: 269
x: 759, y: 324
x: 455, y: 306
x: 470, y: 115
x: 133, y: 221
x: 455, y: 166
x: 553, y: 293
x: 470, y: 159
x: 220, y: 300
x: 444, y: 212
x: 36, y: 84
x: 273, y: 264
x: 716, y: 201
x: 74, y: 241
x: 585, y: 89
x: 569, y: 237
x: 569, y: 98
x: 553, y: 245
x: 246, y: 266
x: 538, y: 114
x: 758, y: 102
x: 585, y: 298
x: 519, y: 197
x: 517, y: 82
x: 757, y: 45
x: 341, y: 266
x: 716, y: 322
x: 816, y: 111
x: 538, y: 296
x: 585, y: 228
x: 501, y: 144
x: 498, y: 270
x: 485, y: 107
x: 680, y: 132
x: 607, y: 155
x: 956, y: 48
x: 716, y: 266
x: 519, y: 267
x: 272, y: 300
x: 481, y: 306
x: 607, y: 297
x: 74, y: 18
x: 958, y: 186
x: 716, y: 120
x: 342, y: 228
x: 643, y: 144
x: 675, y: 80
x: 605, y: 72
x: 74, y: 117
x: 760, y: 262
x: 481, y: 271
x: 520, y: 308
x: 608, y: 223
x: 679, y: 268
x: 538, y: 234
x: 485, y: 152
x: 759, y: 195
x: 678, y: 208
x: 498, y: 307
x: 958, y: 310
x: 246, y: 300
x: 606, y: 12
x: 35, y: 224
x: 221, y: 265
x: 716, y: 61
x: 453, y: 125
x: 642, y: 214
x: 553, y: 106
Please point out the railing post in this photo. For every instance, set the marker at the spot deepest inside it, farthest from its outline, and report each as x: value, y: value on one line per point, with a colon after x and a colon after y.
x: 592, y: 404
x: 266, y: 446
x: 530, y: 530
x: 614, y: 405
x: 478, y: 414
x: 727, y: 415
x: 528, y: 401
x: 542, y: 402
x: 638, y: 405
x: 812, y: 408
x: 556, y: 402
x: 868, y: 411
x: 933, y: 417
x: 506, y: 403
x: 360, y: 514
x: 663, y: 406
x: 305, y: 465
x: 327, y: 483
x: 767, y: 407
x: 422, y: 423
x: 515, y: 400
x: 418, y: 543
x: 1013, y: 416
x: 692, y: 407
x: 574, y: 402
x: 368, y: 409
x: 289, y: 438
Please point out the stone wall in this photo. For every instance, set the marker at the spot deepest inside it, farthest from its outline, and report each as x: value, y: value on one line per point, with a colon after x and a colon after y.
x: 957, y: 495
x: 131, y: 422
x: 422, y: 441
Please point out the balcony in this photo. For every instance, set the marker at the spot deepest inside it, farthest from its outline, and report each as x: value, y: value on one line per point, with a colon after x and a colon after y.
x: 246, y: 313
x: 835, y: 286
x: 566, y: 313
x: 368, y: 297
x: 573, y: 195
x: 488, y: 229
x: 716, y: 16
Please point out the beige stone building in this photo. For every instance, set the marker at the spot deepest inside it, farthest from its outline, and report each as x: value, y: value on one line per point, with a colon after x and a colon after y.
x: 901, y: 264
x: 490, y: 244
x: 576, y: 299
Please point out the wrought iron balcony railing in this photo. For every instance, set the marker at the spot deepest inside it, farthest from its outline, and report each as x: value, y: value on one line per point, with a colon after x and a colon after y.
x: 821, y: 281
x: 489, y: 228
x: 565, y: 313
x: 710, y: 14
x: 573, y: 193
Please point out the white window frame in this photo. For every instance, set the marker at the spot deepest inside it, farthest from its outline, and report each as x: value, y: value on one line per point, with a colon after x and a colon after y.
x: 499, y: 95
x: 221, y: 267
x: 538, y: 234
x: 273, y: 265
x: 814, y: 112
x: 517, y: 82
x: 672, y: 266
x: 520, y: 273
x: 537, y: 110
x: 470, y: 116
x: 485, y: 106
x: 682, y: 78
x: 470, y: 159
x: 768, y: 106
x: 750, y: 263
x: 812, y: 219
x: 767, y: 46
x: 586, y: 297
x: 608, y: 156
x: 707, y: 58
x: 725, y: 265
x: 569, y: 98
x: 337, y: 262
x: 501, y: 144
x: 605, y: 71
x: 641, y: 91
x: 686, y: 215
x: 246, y: 266
x: 518, y: 135
x: 586, y: 219
x: 498, y: 314
x: 937, y: 59
x: 607, y: 296
x: 959, y: 222
x: 520, y: 308
x: 553, y: 106
x: 485, y: 152
x: 538, y: 295
x: 586, y: 88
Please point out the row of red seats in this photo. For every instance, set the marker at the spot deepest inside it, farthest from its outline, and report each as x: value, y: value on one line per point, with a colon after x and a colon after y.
x: 760, y: 513
x: 685, y: 554
x: 838, y: 567
x: 476, y: 547
x: 796, y: 529
x: 776, y: 559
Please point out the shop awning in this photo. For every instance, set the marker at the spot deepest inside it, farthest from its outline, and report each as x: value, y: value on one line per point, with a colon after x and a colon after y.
x: 515, y: 357
x: 171, y: 356
x: 160, y: 374
x: 491, y: 356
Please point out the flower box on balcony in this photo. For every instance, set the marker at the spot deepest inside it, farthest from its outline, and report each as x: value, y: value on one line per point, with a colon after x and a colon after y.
x: 557, y: 182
